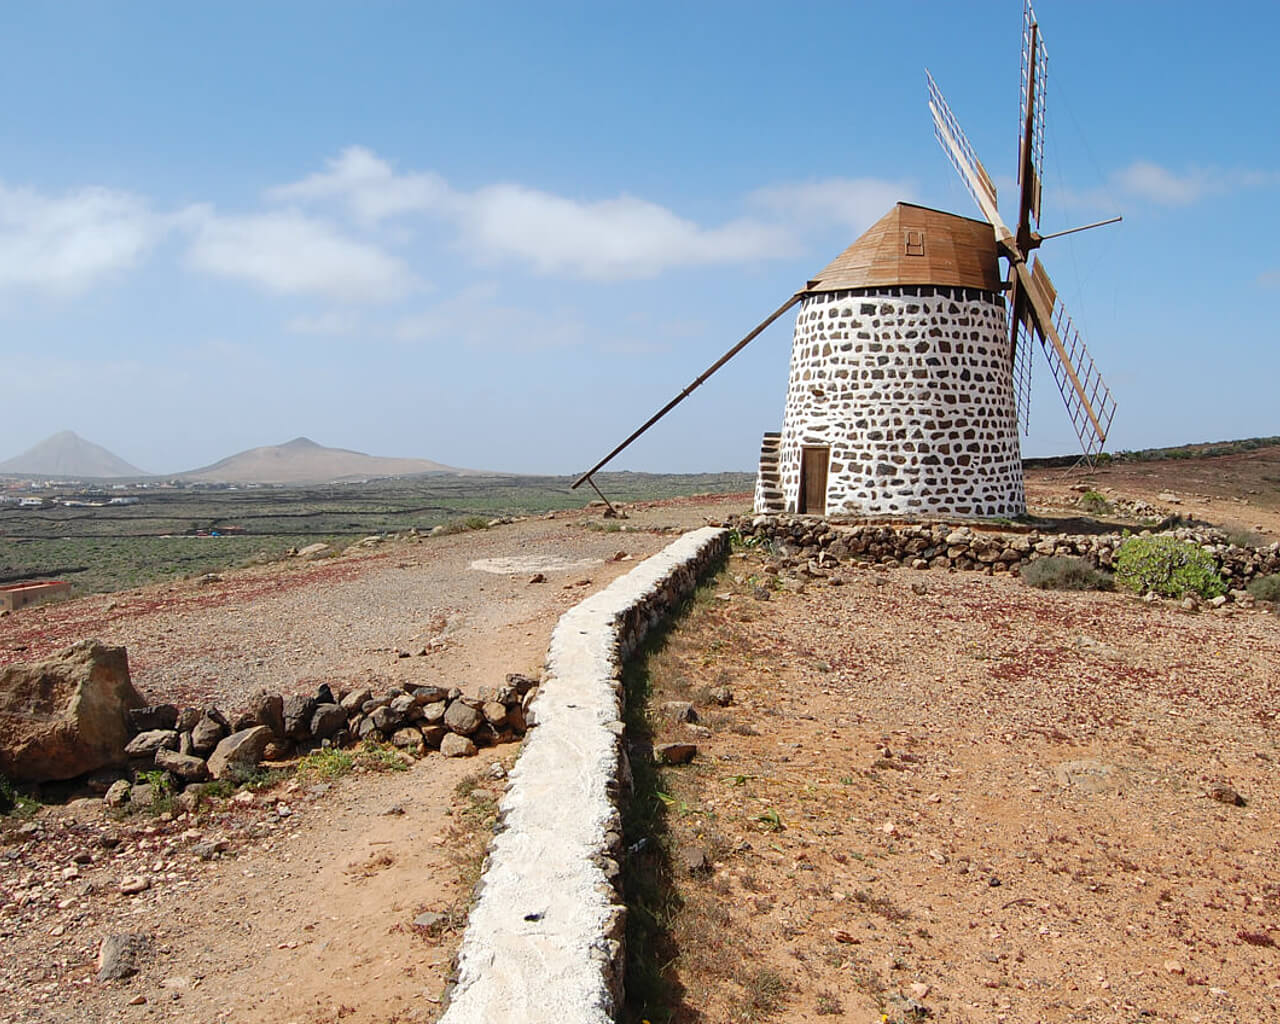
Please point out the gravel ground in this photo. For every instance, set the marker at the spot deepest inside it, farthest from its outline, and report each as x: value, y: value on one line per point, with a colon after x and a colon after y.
x: 292, y: 625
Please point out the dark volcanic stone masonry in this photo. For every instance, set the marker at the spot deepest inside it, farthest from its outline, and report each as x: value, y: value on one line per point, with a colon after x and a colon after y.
x: 911, y: 389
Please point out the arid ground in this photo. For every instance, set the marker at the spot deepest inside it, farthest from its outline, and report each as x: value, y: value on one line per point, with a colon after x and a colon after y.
x: 965, y: 799
x: 949, y: 796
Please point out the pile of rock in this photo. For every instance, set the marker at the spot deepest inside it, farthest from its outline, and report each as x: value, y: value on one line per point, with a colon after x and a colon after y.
x: 983, y: 549
x: 193, y: 745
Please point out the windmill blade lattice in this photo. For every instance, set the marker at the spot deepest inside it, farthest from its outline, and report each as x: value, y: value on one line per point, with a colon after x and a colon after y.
x: 960, y: 152
x: 1034, y: 57
x: 1023, y: 351
x: 1084, y: 392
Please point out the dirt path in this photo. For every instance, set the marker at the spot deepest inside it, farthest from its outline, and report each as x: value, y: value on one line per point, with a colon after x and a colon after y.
x: 308, y: 912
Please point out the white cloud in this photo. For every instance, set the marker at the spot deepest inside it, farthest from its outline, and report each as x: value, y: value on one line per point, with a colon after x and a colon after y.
x: 603, y: 239
x: 369, y: 187
x: 66, y: 243
x: 1152, y: 183
x: 608, y: 239
x: 854, y: 202
x: 1160, y: 185
x: 289, y: 253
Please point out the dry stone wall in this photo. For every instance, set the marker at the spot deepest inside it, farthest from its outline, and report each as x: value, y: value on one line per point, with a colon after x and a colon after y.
x: 543, y: 943
x: 911, y: 388
x: 823, y: 545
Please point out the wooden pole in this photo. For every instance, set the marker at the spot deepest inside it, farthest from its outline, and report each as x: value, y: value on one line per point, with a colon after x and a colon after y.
x: 689, y: 390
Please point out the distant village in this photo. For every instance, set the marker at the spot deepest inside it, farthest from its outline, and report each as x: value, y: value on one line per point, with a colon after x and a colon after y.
x: 68, y: 493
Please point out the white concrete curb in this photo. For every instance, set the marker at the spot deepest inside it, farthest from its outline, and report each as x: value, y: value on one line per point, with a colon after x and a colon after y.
x: 544, y: 939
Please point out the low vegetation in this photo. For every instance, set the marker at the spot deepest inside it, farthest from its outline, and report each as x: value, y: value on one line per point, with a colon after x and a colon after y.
x: 1062, y: 572
x: 1266, y: 588
x: 1168, y: 567
x: 1095, y: 503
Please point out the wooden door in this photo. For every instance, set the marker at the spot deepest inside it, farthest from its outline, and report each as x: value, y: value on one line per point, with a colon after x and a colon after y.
x: 813, y: 480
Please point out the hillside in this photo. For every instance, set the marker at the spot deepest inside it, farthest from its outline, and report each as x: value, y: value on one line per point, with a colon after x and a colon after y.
x: 69, y: 455
x: 302, y: 461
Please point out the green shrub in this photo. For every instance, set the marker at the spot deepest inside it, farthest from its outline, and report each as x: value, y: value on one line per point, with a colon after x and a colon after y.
x: 379, y: 757
x: 1095, y: 503
x: 328, y: 763
x: 1168, y: 567
x: 1265, y: 588
x: 8, y: 797
x: 1065, y: 573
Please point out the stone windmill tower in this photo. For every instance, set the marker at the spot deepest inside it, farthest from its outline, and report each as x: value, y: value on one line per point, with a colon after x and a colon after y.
x: 901, y: 398
x: 911, y: 358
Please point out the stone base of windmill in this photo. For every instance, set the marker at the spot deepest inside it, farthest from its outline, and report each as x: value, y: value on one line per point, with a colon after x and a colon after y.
x: 900, y: 403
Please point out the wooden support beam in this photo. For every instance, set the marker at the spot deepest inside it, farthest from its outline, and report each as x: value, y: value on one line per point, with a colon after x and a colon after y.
x: 689, y: 390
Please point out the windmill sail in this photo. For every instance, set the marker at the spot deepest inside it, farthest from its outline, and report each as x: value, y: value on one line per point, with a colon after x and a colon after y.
x: 1035, y: 71
x: 957, y: 147
x: 1087, y: 397
x: 1022, y: 369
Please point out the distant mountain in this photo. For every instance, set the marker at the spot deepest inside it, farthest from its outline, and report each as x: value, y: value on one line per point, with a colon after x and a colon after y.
x: 302, y: 461
x: 68, y: 454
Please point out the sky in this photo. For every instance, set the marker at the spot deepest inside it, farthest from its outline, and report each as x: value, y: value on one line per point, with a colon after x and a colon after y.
x: 502, y: 235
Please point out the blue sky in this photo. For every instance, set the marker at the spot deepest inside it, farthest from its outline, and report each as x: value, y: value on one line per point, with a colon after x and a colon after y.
x: 501, y: 236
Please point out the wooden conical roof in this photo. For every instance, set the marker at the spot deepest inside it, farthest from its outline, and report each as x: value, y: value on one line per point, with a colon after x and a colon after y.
x: 915, y: 245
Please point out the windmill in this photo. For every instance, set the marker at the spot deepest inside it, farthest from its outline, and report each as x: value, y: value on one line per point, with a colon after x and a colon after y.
x: 910, y: 370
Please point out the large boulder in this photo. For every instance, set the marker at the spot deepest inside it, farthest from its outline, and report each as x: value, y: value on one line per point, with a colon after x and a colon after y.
x: 237, y: 757
x: 66, y: 716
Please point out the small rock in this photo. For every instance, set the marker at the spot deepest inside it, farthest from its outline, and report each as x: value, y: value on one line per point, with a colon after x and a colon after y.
x: 327, y: 719
x: 537, y: 577
x: 267, y: 708
x: 428, y: 920
x: 145, y: 744
x: 209, y: 850
x: 675, y: 753
x: 462, y: 718
x: 184, y: 766
x: 153, y: 717
x: 496, y: 771
x: 495, y: 713
x: 236, y: 758
x: 679, y: 711
x: 118, y: 794
x: 761, y: 594
x: 1225, y: 794
x: 721, y: 695
x: 206, y: 734
x: 919, y: 589
x: 453, y: 745
x: 131, y: 885
x: 298, y: 710
x: 1174, y: 967
x: 120, y: 955
x: 356, y: 699
x: 694, y: 859
x: 409, y: 739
